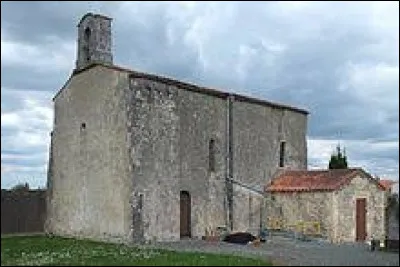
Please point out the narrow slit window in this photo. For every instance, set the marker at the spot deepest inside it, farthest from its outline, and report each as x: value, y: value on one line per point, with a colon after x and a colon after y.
x: 87, y: 34
x: 211, y: 155
x: 282, y: 154
x: 140, y: 204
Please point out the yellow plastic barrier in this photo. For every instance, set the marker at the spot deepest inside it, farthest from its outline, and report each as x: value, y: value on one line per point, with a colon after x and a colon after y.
x: 275, y: 223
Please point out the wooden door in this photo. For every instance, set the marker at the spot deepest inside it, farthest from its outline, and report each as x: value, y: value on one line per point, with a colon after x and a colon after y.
x: 361, y: 211
x: 185, y: 214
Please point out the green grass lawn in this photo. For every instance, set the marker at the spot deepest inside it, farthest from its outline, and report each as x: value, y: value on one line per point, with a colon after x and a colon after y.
x: 41, y: 250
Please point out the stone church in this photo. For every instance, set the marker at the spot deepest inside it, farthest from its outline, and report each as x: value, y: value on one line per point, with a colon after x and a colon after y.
x: 139, y: 157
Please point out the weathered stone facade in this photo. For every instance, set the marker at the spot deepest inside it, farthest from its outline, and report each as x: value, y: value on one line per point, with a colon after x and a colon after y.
x: 345, y: 200
x: 393, y: 224
x: 90, y: 183
x: 125, y: 144
x: 249, y: 210
x: 335, y: 211
x: 296, y: 207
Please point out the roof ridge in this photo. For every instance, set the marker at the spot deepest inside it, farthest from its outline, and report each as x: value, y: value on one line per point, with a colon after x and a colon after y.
x: 313, y: 180
x: 193, y: 86
x: 349, y: 169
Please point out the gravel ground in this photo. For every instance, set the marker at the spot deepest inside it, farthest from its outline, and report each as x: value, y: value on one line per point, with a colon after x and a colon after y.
x: 290, y: 252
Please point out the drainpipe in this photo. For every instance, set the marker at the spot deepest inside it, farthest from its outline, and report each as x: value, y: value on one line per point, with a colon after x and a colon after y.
x: 229, y: 171
x: 227, y: 159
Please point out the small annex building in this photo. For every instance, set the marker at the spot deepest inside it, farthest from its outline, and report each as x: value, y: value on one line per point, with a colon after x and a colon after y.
x: 343, y: 205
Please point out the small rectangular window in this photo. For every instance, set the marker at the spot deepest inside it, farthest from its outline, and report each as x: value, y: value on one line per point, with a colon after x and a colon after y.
x: 211, y: 155
x: 282, y: 154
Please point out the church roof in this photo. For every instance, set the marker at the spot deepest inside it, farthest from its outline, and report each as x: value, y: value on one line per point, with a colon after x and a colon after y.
x: 316, y: 180
x: 192, y: 87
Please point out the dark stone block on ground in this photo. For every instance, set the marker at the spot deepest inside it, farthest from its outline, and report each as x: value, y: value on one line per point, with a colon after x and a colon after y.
x: 239, y: 238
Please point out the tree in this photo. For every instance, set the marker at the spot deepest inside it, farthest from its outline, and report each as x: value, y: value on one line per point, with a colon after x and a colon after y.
x: 338, y: 160
x: 21, y: 187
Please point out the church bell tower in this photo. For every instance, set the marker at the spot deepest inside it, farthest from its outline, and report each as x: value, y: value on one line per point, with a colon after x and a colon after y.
x: 94, y: 41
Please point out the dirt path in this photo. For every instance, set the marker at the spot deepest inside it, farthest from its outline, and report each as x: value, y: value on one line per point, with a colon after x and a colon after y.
x: 291, y: 252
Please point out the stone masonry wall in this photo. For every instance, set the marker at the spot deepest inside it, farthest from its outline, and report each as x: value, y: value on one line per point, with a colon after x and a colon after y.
x: 336, y: 211
x: 144, y: 141
x: 257, y: 133
x: 169, y: 133
x: 346, y: 216
x: 298, y: 207
x: 393, y: 222
x: 89, y: 177
x: 258, y: 130
x: 248, y: 210
x: 98, y: 47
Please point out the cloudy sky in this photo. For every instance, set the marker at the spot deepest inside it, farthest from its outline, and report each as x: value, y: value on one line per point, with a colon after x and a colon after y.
x: 339, y: 60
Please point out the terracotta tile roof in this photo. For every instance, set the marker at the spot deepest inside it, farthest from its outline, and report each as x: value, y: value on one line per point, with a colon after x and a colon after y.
x: 387, y: 184
x: 315, y: 180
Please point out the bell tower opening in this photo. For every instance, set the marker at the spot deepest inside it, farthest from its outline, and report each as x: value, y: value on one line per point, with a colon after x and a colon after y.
x: 94, y: 41
x: 87, y: 41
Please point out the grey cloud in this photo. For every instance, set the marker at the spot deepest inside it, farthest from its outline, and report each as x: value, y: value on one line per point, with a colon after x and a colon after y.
x: 308, y: 75
x: 374, y: 154
x: 31, y: 160
x: 26, y: 78
x: 30, y: 21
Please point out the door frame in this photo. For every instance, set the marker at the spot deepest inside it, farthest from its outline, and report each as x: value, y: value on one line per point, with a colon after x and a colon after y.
x: 361, y: 219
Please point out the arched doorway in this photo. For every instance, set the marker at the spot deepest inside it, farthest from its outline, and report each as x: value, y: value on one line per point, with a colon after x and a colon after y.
x: 185, y: 213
